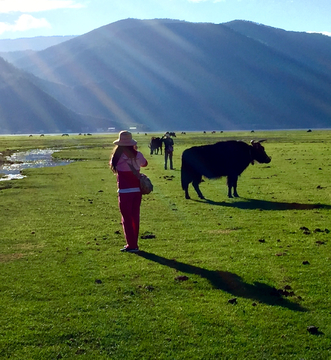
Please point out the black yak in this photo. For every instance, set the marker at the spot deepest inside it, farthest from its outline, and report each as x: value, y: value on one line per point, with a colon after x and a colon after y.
x: 225, y: 158
x: 155, y: 145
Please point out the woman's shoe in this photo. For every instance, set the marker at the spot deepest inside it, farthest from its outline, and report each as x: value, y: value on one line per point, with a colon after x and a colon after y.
x: 127, y: 249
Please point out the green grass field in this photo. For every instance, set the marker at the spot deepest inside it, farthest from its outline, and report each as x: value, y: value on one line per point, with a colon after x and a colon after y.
x: 222, y: 278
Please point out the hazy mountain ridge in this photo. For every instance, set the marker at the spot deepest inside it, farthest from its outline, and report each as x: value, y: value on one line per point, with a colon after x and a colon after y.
x: 311, y: 49
x: 26, y: 108
x: 167, y: 74
x: 36, y: 43
x: 14, y: 49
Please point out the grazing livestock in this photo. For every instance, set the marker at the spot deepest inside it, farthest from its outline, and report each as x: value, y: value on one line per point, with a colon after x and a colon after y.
x: 225, y: 158
x: 155, y: 145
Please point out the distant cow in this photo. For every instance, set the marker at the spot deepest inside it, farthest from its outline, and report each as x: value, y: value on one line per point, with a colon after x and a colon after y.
x: 225, y: 158
x: 155, y: 145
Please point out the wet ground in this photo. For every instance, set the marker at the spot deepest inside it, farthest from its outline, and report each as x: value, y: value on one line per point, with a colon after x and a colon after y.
x: 31, y: 159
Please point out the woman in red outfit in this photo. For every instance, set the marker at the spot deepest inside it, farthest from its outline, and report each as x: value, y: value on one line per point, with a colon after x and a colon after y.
x: 129, y: 195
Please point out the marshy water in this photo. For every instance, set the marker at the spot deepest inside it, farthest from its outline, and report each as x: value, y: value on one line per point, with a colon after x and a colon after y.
x: 31, y: 159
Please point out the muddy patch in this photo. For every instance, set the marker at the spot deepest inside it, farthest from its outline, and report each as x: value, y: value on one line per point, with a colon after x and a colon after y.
x: 27, y: 246
x: 10, y: 257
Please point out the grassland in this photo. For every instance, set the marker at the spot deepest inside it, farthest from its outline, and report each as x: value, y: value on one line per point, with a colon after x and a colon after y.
x: 222, y: 278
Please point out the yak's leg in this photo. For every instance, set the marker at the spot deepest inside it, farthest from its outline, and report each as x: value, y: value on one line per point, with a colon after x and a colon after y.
x: 235, y: 194
x: 187, y: 196
x: 195, y: 184
x: 229, y: 187
x: 232, y: 184
x: 185, y: 188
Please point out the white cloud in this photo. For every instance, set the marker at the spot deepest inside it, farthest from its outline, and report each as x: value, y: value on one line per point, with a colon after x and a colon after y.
x: 25, y: 22
x: 29, y: 6
x: 327, y: 33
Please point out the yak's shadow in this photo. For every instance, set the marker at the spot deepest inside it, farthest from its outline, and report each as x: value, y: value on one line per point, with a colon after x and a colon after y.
x: 247, y: 204
x: 231, y: 283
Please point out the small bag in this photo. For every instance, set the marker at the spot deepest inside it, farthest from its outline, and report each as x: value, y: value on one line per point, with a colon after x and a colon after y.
x: 146, y: 185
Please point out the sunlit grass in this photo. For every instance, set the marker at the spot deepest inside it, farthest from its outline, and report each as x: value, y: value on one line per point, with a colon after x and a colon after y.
x: 67, y: 290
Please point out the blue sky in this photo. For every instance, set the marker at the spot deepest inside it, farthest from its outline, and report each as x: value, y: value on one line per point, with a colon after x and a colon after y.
x: 29, y: 18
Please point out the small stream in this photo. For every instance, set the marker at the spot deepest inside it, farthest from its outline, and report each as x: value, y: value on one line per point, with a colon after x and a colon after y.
x: 37, y: 158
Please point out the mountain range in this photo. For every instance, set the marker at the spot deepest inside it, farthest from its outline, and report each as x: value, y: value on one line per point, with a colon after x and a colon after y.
x: 161, y: 75
x: 34, y: 43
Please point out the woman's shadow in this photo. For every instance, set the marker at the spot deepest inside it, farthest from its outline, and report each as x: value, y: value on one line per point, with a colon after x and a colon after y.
x: 229, y: 282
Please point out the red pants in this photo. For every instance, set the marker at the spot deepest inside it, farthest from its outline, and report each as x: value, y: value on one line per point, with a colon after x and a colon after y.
x: 129, y: 205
